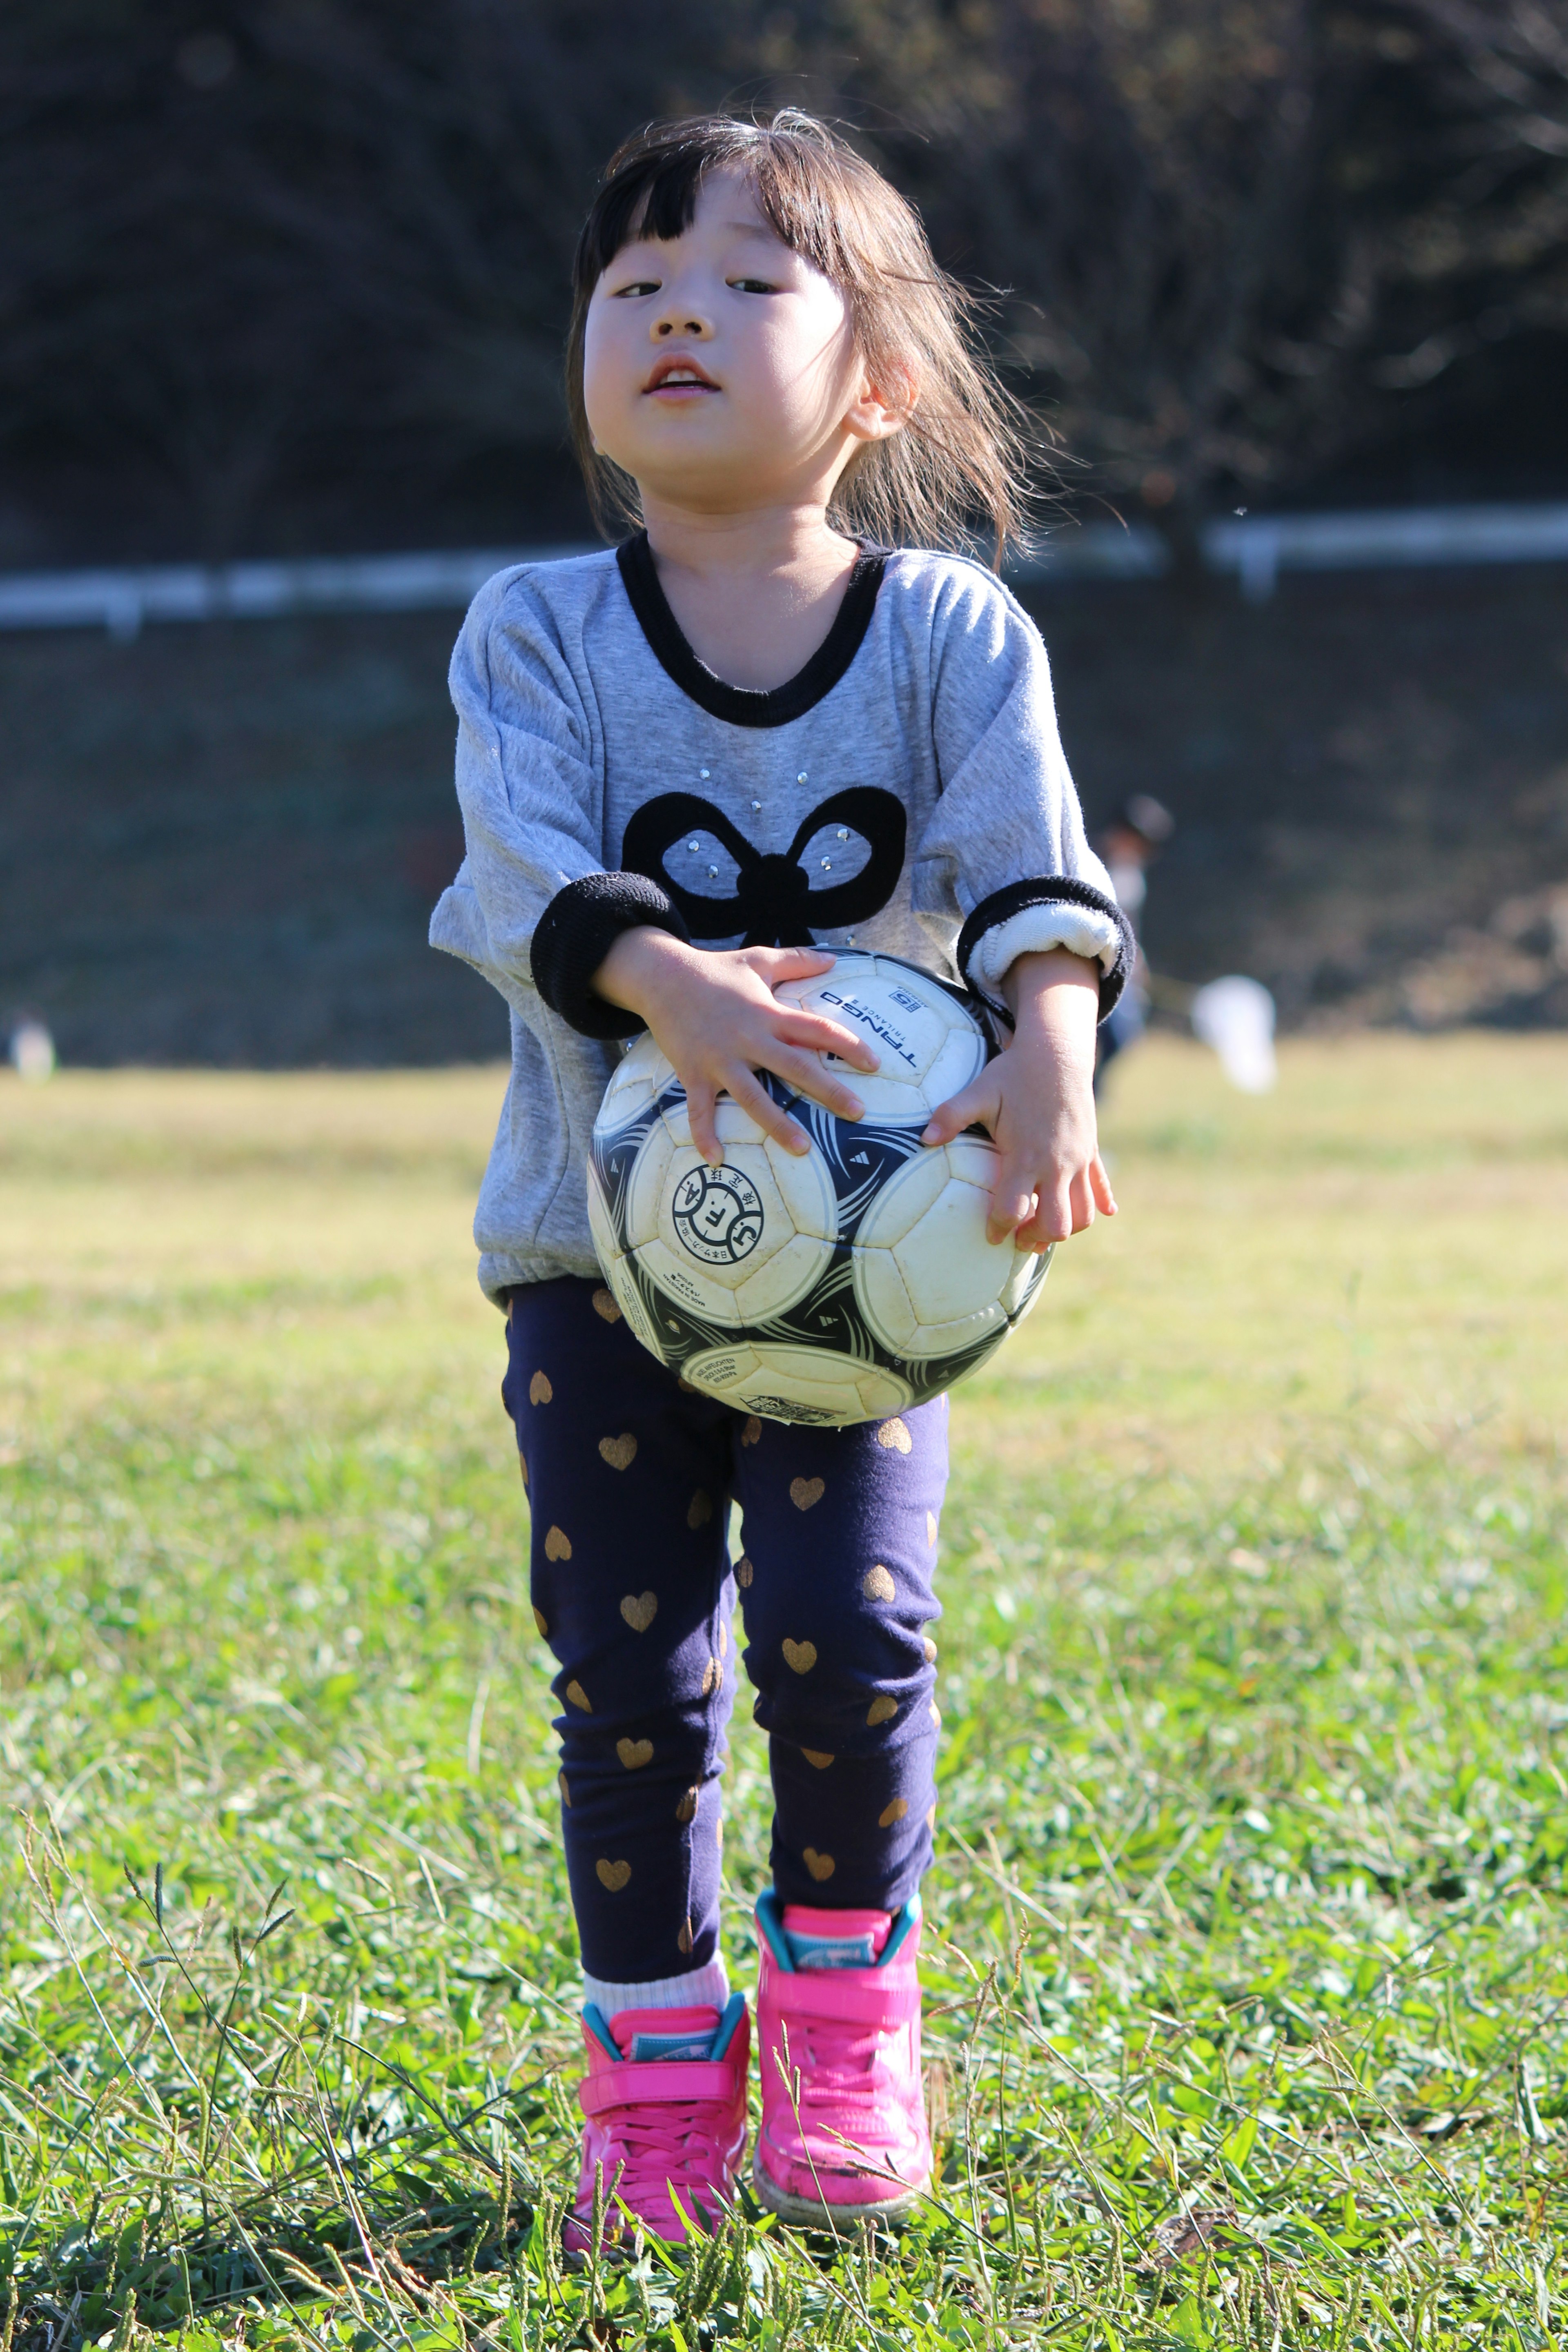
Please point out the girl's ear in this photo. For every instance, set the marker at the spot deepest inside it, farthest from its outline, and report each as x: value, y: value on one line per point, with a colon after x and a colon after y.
x: 875, y: 415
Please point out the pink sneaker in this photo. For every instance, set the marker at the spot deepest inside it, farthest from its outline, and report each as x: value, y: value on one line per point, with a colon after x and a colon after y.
x: 838, y: 2023
x: 663, y: 2102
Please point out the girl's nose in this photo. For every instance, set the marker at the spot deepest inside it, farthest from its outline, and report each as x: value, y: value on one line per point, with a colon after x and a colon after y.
x: 681, y: 327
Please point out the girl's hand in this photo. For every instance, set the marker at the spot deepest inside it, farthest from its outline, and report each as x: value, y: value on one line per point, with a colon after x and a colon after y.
x: 1036, y: 1100
x: 715, y: 1020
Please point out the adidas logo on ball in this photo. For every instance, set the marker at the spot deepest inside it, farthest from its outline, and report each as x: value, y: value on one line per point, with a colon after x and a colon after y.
x: 835, y: 1286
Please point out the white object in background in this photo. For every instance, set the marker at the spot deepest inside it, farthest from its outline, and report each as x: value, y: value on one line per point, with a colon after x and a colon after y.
x: 32, y: 1052
x: 1235, y: 1016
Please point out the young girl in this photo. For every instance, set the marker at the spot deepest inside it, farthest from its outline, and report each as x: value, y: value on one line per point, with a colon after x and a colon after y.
x: 766, y: 726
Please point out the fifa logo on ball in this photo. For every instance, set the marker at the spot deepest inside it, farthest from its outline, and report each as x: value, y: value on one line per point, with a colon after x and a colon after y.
x: 718, y: 1214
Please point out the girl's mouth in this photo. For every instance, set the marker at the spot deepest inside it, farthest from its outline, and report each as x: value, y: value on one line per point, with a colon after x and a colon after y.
x: 680, y: 380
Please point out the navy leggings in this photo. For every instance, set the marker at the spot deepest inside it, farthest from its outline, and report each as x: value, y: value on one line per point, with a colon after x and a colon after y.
x: 630, y: 1474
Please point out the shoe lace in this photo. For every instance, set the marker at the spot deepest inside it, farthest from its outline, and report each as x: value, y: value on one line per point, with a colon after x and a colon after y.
x: 838, y: 2068
x: 675, y: 2140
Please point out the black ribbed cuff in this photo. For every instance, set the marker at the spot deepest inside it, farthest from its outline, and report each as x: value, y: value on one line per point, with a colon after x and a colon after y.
x: 1052, y: 890
x: 576, y: 932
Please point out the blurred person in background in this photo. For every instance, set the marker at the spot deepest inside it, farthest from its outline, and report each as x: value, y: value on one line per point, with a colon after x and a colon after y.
x: 1129, y: 845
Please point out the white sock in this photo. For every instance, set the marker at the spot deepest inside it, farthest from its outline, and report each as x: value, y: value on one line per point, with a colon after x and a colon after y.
x: 706, y: 1988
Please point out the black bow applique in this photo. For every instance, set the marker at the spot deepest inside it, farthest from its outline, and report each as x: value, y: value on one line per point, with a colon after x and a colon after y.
x: 774, y: 903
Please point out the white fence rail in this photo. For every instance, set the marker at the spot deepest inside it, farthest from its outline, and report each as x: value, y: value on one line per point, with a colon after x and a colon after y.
x: 1256, y: 548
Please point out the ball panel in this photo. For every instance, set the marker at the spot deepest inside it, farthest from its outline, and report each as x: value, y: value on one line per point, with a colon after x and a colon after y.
x: 617, y: 1270
x: 643, y: 1195
x: 959, y: 1062
x: 602, y: 1224
x: 674, y: 1273
x: 799, y: 1384
x: 1028, y: 1275
x: 937, y: 1343
x: 638, y: 1078
x: 883, y: 1300
x: 909, y: 1019
x: 806, y: 1189
x: 928, y: 1227
x: 727, y: 1231
x: 629, y: 1297
x: 777, y: 1287
x: 950, y: 1269
x: 903, y: 1200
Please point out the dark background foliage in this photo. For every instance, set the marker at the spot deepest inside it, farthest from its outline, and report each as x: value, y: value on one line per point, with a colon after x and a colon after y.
x: 292, y: 272
x: 290, y: 275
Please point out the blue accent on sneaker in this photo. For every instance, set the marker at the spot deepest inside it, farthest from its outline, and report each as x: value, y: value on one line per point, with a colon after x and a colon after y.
x: 903, y: 1922
x: 593, y: 2018
x: 770, y: 1921
x: 734, y: 2010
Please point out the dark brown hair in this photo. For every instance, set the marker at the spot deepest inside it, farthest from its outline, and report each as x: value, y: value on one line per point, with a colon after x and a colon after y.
x: 963, y: 456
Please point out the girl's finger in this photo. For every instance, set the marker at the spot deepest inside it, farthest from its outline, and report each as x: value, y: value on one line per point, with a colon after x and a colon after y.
x: 1012, y: 1200
x: 1029, y: 1235
x: 807, y: 1076
x: 770, y: 1117
x: 1104, y: 1197
x: 1053, y: 1218
x: 699, y: 1106
x: 975, y: 1107
x: 816, y: 1034
x: 777, y: 965
x: 1009, y: 1212
x: 1081, y: 1199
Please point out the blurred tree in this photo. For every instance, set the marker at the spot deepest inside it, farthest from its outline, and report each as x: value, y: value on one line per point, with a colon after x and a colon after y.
x: 258, y: 245
x: 291, y: 233
x: 1229, y: 231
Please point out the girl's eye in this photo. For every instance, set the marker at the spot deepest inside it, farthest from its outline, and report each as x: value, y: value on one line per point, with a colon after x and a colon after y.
x: 753, y: 285
x: 638, y: 286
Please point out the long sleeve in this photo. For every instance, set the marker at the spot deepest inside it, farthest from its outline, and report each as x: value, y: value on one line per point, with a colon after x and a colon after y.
x: 1005, y: 846
x: 532, y: 906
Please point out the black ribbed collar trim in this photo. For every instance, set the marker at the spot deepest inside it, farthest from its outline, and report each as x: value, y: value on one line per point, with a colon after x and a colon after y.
x: 744, y: 706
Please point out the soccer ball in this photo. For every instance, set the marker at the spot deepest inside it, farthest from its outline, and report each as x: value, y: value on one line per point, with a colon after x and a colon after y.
x: 838, y: 1286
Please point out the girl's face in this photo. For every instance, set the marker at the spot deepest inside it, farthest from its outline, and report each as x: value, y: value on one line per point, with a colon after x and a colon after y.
x: 720, y: 368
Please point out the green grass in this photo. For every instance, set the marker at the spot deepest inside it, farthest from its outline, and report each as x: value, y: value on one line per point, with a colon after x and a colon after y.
x: 1246, y: 1990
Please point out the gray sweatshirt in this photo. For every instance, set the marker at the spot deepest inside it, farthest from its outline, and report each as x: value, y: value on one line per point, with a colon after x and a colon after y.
x: 906, y: 792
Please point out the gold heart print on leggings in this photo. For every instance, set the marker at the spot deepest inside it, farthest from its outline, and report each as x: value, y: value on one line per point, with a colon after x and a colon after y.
x: 639, y: 1610
x: 612, y: 1874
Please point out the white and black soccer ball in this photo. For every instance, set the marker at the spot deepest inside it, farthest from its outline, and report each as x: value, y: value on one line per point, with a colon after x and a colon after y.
x: 836, y: 1286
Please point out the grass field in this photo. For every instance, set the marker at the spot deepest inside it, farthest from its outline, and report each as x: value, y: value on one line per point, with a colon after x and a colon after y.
x: 1247, y: 1991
